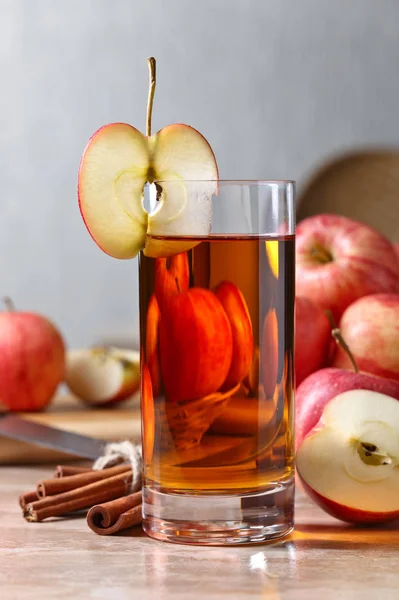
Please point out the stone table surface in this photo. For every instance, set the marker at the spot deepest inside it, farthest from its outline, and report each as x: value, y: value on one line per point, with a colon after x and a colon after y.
x: 60, y: 559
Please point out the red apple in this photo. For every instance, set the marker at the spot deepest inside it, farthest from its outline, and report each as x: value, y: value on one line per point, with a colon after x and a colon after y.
x: 152, y: 345
x: 103, y: 376
x: 370, y: 327
x: 196, y: 345
x: 269, y: 353
x: 171, y: 277
x: 339, y: 260
x: 147, y: 414
x: 348, y: 462
x: 396, y: 248
x: 312, y: 338
x: 32, y: 361
x: 235, y: 306
x: 316, y: 391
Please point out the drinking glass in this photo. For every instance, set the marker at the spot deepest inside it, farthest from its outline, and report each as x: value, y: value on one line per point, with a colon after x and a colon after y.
x: 217, y: 363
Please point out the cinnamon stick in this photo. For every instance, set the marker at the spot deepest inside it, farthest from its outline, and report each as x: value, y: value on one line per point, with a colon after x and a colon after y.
x: 66, y: 470
x: 115, y: 516
x: 51, y: 487
x: 79, y: 498
x: 27, y: 498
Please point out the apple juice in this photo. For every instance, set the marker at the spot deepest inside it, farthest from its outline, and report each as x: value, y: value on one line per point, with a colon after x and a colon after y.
x: 216, y: 327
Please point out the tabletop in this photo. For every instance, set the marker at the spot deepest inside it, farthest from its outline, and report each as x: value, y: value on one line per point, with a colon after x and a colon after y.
x: 322, y: 559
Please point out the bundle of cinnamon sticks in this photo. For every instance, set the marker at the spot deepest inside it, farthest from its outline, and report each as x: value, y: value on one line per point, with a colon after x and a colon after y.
x: 106, y: 494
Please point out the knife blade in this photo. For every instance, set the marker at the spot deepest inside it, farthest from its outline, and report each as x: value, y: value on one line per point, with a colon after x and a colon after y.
x: 18, y: 428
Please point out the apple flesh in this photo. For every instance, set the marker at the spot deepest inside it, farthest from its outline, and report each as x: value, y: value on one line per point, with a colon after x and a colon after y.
x: 349, y: 461
x: 339, y: 260
x: 32, y: 361
x: 103, y: 376
x: 196, y: 345
x: 316, y: 391
x: 370, y: 327
x: 235, y: 306
x: 312, y: 338
x: 115, y: 166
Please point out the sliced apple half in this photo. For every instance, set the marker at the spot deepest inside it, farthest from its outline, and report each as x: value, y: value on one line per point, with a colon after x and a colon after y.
x: 102, y: 376
x: 349, y: 463
x: 118, y: 161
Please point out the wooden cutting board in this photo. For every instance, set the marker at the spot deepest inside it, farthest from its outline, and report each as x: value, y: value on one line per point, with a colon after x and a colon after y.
x: 67, y: 412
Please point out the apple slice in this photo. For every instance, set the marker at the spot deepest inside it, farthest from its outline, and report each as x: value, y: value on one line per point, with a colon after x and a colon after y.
x: 349, y: 461
x: 116, y: 164
x: 102, y: 376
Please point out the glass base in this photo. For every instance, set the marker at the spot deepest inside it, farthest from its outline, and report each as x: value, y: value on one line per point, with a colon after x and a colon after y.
x: 219, y: 520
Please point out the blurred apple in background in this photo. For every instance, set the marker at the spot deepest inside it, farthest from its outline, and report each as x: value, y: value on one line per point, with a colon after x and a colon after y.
x: 103, y: 376
x: 312, y: 338
x: 32, y: 360
x: 316, y: 391
x: 370, y: 327
x: 396, y: 248
x: 349, y: 461
x: 339, y: 260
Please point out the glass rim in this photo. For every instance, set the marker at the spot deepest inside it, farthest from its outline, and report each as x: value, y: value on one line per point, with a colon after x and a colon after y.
x: 231, y: 181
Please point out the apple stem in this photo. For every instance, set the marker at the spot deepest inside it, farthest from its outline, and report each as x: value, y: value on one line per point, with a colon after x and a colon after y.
x: 152, y: 69
x: 321, y: 254
x: 340, y: 341
x: 10, y: 306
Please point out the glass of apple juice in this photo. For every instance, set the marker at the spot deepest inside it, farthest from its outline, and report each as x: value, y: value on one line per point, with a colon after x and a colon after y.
x: 217, y: 342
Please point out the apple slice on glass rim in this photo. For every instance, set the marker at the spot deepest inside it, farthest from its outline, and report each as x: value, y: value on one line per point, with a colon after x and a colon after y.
x: 349, y: 463
x: 116, y: 165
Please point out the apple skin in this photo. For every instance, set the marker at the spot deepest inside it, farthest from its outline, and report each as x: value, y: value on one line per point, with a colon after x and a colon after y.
x: 235, y: 306
x: 396, y: 248
x: 357, y: 261
x: 172, y: 276
x: 269, y: 353
x: 322, y: 386
x: 196, y: 345
x: 32, y: 361
x: 370, y: 327
x: 312, y: 338
x: 347, y: 513
x: 152, y: 345
x: 148, y: 414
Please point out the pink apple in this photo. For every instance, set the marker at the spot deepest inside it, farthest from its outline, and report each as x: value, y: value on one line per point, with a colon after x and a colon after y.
x: 370, y: 327
x: 339, y: 260
x: 348, y: 462
x: 32, y: 361
x: 316, y: 391
x: 312, y: 338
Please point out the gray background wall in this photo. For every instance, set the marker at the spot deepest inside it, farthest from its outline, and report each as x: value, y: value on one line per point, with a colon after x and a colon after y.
x: 276, y: 86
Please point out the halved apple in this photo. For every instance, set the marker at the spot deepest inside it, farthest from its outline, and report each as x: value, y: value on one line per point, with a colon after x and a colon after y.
x: 116, y: 164
x: 102, y: 376
x: 349, y: 463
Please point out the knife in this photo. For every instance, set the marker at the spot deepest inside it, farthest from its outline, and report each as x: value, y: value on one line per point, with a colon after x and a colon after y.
x: 23, y: 430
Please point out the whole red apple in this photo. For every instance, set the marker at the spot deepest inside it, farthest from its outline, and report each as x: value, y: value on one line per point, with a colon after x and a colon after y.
x: 339, y: 260
x: 370, y: 327
x: 235, y: 306
x: 172, y: 276
x: 196, y: 345
x: 316, y: 391
x: 312, y: 338
x: 32, y: 361
x: 348, y: 461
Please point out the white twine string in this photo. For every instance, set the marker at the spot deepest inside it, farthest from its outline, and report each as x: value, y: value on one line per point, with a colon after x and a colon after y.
x: 122, y: 452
